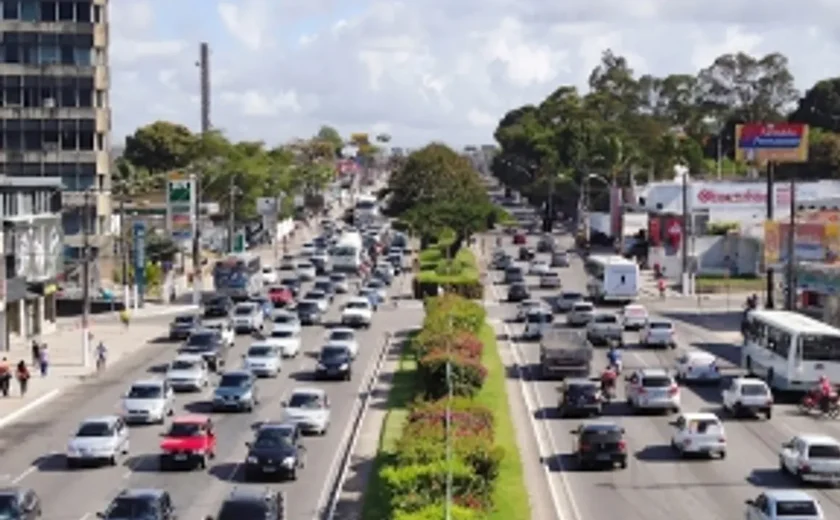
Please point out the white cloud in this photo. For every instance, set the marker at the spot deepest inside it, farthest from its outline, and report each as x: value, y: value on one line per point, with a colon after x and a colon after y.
x: 431, y: 69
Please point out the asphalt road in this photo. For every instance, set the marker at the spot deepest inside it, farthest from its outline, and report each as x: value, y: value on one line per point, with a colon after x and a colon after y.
x: 32, y: 450
x: 656, y: 486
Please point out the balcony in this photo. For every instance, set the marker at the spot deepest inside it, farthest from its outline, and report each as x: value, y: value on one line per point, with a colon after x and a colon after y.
x: 77, y: 199
x: 18, y: 69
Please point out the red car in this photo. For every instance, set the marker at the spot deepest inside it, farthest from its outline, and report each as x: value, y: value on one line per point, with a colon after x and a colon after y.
x: 280, y: 296
x: 519, y: 238
x: 189, y: 443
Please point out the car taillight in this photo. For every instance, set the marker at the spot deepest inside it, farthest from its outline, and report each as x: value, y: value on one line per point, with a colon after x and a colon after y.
x: 722, y: 439
x: 622, y: 446
x: 804, y: 468
x: 715, y: 367
x: 673, y: 390
x: 584, y: 447
x: 642, y: 390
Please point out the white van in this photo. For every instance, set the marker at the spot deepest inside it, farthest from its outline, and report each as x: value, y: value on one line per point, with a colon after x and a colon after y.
x: 612, y: 278
x: 348, y: 253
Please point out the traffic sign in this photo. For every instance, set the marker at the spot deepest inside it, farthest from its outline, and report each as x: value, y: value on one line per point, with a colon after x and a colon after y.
x: 239, y: 242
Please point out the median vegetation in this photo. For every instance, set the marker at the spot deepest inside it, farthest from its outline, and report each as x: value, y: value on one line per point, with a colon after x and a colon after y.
x: 456, y: 273
x: 411, y: 471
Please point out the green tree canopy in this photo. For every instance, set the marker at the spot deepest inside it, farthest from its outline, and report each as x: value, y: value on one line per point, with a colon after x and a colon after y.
x: 160, y: 147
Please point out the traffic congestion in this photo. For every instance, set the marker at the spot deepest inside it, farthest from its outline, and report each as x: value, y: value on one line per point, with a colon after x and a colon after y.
x: 241, y: 409
x: 639, y: 413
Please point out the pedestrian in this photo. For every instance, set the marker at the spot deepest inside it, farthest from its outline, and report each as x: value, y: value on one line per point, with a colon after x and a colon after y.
x: 22, y: 375
x: 5, y: 377
x: 36, y: 353
x: 44, y: 360
x: 125, y: 317
x: 661, y: 284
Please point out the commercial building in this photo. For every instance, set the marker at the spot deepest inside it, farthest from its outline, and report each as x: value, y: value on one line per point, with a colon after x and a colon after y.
x: 55, y: 118
x: 32, y: 242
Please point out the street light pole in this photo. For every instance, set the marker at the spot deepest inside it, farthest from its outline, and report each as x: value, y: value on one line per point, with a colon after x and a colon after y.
x: 232, y: 213
x: 124, y: 249
x: 86, y: 278
x: 204, y: 77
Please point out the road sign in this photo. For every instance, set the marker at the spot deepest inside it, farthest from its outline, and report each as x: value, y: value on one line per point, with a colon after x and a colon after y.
x: 268, y: 206
x: 181, y: 200
x: 140, y: 257
x: 239, y: 242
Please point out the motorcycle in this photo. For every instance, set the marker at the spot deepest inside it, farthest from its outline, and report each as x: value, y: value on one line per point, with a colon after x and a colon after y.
x: 812, y: 403
x: 607, y: 390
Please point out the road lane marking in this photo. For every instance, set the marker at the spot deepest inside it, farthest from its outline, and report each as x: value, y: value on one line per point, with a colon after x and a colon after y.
x: 26, y: 473
x: 29, y: 407
x: 86, y: 516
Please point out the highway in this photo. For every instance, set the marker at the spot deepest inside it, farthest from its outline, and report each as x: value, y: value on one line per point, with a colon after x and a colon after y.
x: 32, y: 450
x: 656, y: 486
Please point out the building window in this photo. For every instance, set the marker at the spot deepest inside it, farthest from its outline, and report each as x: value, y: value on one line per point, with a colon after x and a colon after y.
x: 11, y: 53
x: 83, y: 14
x: 98, y: 14
x: 65, y: 11
x: 51, y: 140
x: 68, y: 97
x: 69, y: 140
x: 67, y: 54
x: 82, y: 57
x: 49, y: 11
x: 100, y: 141
x: 32, y: 140
x: 29, y: 10
x: 30, y: 97
x: 11, y: 10
x: 100, y: 98
x: 85, y: 97
x: 11, y: 97
x: 14, y: 140
x: 85, y: 140
x: 99, y: 57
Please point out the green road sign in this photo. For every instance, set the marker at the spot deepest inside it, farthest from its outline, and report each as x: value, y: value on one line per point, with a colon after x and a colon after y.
x: 239, y: 242
x: 180, y: 191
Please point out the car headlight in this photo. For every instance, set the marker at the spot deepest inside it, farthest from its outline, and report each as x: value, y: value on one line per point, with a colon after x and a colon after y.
x: 344, y: 366
x: 71, y: 450
x: 321, y: 366
x: 251, y: 460
x: 289, y: 461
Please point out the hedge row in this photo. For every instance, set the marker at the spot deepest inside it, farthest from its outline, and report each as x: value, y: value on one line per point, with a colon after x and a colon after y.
x: 458, y: 276
x: 415, y: 482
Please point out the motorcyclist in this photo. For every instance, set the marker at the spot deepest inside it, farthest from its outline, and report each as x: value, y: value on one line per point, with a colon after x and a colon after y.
x: 825, y: 391
x: 614, y: 358
x: 608, y: 377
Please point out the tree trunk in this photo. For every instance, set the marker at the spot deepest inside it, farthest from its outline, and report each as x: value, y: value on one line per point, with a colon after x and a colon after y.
x: 456, y: 245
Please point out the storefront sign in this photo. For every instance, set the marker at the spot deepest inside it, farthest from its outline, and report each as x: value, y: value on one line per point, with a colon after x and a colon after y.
x: 760, y: 143
x: 737, y: 195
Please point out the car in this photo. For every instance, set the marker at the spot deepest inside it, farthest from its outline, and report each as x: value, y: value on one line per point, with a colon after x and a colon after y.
x: 310, y: 408
x: 652, y: 389
x: 262, y: 503
x: 580, y: 314
x: 564, y: 301
x: 341, y: 283
x: 287, y: 263
x: 189, y: 443
x: 262, y: 359
x: 286, y: 319
x: 275, y: 452
x: 344, y: 336
x: 696, y: 366
x: 380, y: 288
x: 502, y: 262
x: 550, y: 280
x: 293, y: 283
x: 269, y: 275
x: 183, y: 325
x: 658, y: 333
x: 579, y: 396
x: 395, y: 258
x: 321, y: 261
x: 599, y: 445
x: 634, y: 317
x: 209, y: 345
x: 307, y: 249
x: 325, y: 285
x: 217, y: 306
x: 98, y: 440
x: 524, y: 308
x: 811, y: 459
x: 698, y: 433
x: 187, y: 372
x: 371, y: 295
x: 514, y: 274
x: 225, y: 329
x: 603, y: 328
x: 19, y: 503
x: 148, y: 401
x: 140, y: 504
x: 537, y: 322
x: 357, y: 312
x: 545, y: 244
x: 286, y: 338
x: 520, y: 238
x: 280, y: 296
x: 321, y: 298
x: 518, y: 292
x: 526, y: 254
x: 309, y: 312
x: 747, y: 395
x: 335, y: 361
x: 559, y: 259
x: 783, y: 504
x: 236, y: 390
x: 248, y: 318
x: 306, y: 271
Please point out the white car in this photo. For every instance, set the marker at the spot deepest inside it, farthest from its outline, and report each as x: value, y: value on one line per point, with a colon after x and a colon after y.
x: 784, y: 504
x: 696, y: 366
x: 287, y: 263
x: 357, y: 312
x: 98, y: 440
x: 813, y: 458
x: 286, y: 338
x: 580, y: 314
x: 307, y: 249
x: 188, y: 372
x: 748, y: 395
x: 550, y: 280
x: 379, y: 288
x: 341, y: 282
x: 537, y: 322
x: 320, y: 298
x: 658, y: 333
x: 652, y: 389
x: 566, y: 300
x: 634, y: 317
x: 262, y: 359
x: 604, y: 327
x: 523, y: 308
x: 286, y: 318
x: 306, y: 271
x: 269, y: 275
x: 699, y: 434
x: 345, y: 337
x: 148, y: 401
x: 386, y: 268
x: 539, y: 268
x: 225, y: 329
x: 309, y: 408
x: 248, y: 317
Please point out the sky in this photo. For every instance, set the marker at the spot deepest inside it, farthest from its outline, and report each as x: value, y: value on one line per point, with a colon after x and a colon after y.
x: 424, y: 70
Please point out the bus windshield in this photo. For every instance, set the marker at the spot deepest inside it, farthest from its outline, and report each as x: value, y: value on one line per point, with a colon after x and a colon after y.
x: 820, y: 347
x: 236, y: 272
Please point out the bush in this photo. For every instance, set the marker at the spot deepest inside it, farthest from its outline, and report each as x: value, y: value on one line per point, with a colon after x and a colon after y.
x: 467, y: 375
x: 418, y: 486
x: 463, y: 314
x: 437, y: 511
x: 464, y: 286
x: 459, y: 276
x: 468, y: 418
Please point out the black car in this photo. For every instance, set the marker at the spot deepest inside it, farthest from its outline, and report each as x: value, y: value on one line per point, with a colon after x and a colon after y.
x: 218, y: 307
x: 141, y: 504
x: 514, y: 274
x: 293, y: 283
x: 526, y: 254
x: 19, y: 503
x: 276, y: 453
x: 580, y: 397
x: 600, y: 445
x: 518, y: 292
x: 321, y: 263
x: 309, y: 313
x: 262, y: 503
x: 209, y: 344
x: 183, y: 325
x: 545, y: 245
x: 326, y: 285
x: 334, y: 362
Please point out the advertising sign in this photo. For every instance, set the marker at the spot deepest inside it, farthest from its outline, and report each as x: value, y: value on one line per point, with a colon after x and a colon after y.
x: 181, y: 199
x: 140, y: 257
x: 813, y: 242
x: 734, y: 195
x: 760, y: 143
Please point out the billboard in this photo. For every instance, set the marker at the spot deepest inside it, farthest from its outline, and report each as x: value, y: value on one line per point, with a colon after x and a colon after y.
x: 814, y: 241
x: 181, y: 200
x: 760, y: 143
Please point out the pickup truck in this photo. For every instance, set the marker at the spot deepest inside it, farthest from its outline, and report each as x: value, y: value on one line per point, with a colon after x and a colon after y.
x: 565, y: 353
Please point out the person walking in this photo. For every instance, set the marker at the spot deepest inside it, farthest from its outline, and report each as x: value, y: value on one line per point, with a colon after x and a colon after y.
x: 22, y: 375
x: 101, y: 357
x: 44, y: 360
x: 5, y: 377
x: 125, y: 317
x: 36, y: 353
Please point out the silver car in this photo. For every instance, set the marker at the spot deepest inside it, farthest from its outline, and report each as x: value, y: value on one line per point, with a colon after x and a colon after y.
x: 98, y: 440
x: 580, y: 314
x: 262, y: 359
x: 247, y: 317
x: 566, y: 300
x: 148, y: 401
x: 345, y: 337
x: 309, y: 408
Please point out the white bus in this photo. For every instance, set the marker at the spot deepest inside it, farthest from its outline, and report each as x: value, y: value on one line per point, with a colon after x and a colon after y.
x: 612, y: 278
x: 366, y: 210
x: 347, y: 256
x: 789, y: 350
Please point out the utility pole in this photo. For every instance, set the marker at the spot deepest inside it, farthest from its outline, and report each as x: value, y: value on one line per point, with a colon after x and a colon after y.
x: 771, y: 194
x: 124, y: 248
x: 684, y: 236
x: 86, y: 279
x: 790, y: 274
x: 204, y: 80
x: 232, y: 213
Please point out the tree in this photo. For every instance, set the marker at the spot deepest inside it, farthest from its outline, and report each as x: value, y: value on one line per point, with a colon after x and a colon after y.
x: 330, y: 135
x: 820, y: 107
x: 161, y: 147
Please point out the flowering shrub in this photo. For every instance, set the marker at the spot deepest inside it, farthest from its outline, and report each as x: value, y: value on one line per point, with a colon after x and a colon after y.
x: 467, y: 376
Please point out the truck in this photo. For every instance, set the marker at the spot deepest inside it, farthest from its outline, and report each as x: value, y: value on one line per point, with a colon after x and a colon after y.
x: 347, y: 255
x: 565, y: 353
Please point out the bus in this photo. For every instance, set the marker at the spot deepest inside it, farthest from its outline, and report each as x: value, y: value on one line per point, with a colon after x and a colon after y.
x: 612, y: 278
x: 347, y: 256
x: 366, y: 210
x: 238, y: 275
x: 790, y: 350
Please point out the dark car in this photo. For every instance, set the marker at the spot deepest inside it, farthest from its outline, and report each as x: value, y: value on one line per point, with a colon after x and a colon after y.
x: 518, y: 292
x: 183, y: 325
x: 514, y: 274
x: 396, y: 261
x: 209, y: 344
x: 334, y: 362
x: 579, y: 397
x: 275, y: 453
x: 262, y: 503
x: 526, y: 254
x: 309, y: 313
x: 545, y: 244
x: 293, y: 283
x: 326, y: 285
x: 600, y: 445
x: 141, y: 504
x: 218, y: 306
x: 19, y: 503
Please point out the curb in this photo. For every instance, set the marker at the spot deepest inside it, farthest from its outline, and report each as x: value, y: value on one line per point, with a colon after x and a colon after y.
x: 30, y: 407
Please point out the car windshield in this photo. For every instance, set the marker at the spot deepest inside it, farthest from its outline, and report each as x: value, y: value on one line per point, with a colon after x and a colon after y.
x: 756, y: 390
x: 606, y: 318
x: 357, y: 305
x: 798, y: 508
x: 200, y: 340
x: 656, y: 382
x: 342, y: 335
x: 572, y: 296
x: 131, y: 508
x: 601, y: 436
x: 307, y: 306
x: 551, y: 275
x: 582, y: 390
x: 289, y: 281
x: 284, y: 318
x: 273, y: 437
x: 660, y: 325
x: 323, y: 286
x: 305, y: 266
x: 260, y: 351
x: 586, y: 307
x: 333, y: 352
x: 185, y: 320
x: 315, y: 295
x: 244, y: 310
x: 243, y: 509
x: 234, y: 380
x: 145, y: 392
x: 282, y: 334
x: 338, y: 277
x: 310, y: 401
x: 94, y: 429
x: 182, y: 364
x: 184, y: 429
x: 8, y: 507
x: 824, y: 451
x: 537, y: 317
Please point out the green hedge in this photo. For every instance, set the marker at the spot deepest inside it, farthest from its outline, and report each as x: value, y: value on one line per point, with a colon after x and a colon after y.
x: 460, y: 276
x: 437, y: 511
